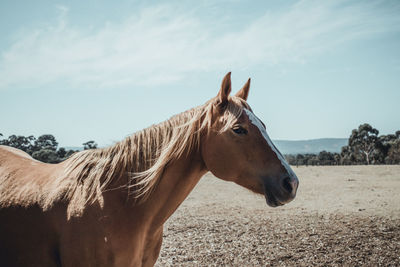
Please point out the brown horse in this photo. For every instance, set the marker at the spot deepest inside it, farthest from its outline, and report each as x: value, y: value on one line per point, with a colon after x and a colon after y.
x: 107, y: 207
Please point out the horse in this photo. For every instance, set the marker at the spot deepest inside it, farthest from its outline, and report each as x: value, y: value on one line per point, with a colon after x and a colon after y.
x: 107, y: 206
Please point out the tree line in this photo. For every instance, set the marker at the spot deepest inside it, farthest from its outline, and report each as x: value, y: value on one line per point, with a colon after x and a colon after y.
x: 43, y: 148
x: 365, y: 146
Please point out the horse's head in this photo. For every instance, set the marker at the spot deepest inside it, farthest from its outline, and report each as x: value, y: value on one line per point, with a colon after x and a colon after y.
x: 237, y: 148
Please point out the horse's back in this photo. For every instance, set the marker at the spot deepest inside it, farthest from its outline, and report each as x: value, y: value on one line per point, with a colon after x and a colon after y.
x: 16, y: 162
x: 6, y: 150
x: 13, y: 161
x: 23, y: 180
x: 23, y: 223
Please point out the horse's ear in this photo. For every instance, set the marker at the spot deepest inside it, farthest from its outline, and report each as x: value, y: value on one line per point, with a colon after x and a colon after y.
x: 244, y: 92
x: 224, y: 91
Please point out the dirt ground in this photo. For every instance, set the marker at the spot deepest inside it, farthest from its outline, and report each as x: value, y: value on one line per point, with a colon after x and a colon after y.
x: 342, y: 216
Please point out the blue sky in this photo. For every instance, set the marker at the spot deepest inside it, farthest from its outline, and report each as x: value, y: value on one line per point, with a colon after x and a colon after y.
x: 101, y: 70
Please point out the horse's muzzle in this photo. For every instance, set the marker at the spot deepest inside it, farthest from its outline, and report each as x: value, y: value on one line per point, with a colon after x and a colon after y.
x: 280, y: 193
x: 290, y: 185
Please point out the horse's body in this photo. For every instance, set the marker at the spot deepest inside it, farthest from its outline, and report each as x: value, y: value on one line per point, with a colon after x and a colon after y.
x: 107, y: 207
x: 116, y: 234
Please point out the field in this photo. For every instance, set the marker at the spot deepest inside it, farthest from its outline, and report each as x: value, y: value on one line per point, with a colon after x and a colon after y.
x: 341, y: 216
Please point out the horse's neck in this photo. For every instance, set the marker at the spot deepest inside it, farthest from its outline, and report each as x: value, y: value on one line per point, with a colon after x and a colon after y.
x: 178, y: 180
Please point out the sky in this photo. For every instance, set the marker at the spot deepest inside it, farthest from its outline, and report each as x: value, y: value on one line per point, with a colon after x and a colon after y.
x: 102, y: 70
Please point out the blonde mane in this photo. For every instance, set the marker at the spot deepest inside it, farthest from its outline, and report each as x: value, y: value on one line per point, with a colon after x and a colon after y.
x: 135, y: 164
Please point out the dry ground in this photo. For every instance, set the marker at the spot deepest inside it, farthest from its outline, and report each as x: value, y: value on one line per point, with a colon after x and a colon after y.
x: 342, y: 216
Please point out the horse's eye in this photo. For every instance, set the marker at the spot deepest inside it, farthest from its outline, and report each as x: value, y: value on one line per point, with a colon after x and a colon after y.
x: 239, y: 130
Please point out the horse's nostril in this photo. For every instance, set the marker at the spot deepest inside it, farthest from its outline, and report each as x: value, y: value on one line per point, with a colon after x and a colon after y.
x: 287, y: 185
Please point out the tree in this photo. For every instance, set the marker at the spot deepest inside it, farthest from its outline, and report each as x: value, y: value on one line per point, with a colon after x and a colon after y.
x: 299, y: 159
x: 69, y: 153
x: 43, y: 148
x: 291, y: 159
x: 363, y: 141
x: 61, y: 153
x: 89, y: 145
x: 311, y: 159
x: 385, y: 142
x: 325, y: 158
x: 393, y: 156
x: 46, y: 155
x: 46, y: 141
x: 337, y: 158
x: 20, y: 142
x: 347, y: 156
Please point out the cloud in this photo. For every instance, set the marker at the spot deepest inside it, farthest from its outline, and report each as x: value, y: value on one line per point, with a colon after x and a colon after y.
x: 160, y: 44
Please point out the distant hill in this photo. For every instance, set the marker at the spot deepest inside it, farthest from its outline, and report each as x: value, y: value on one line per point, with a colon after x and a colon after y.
x: 313, y: 146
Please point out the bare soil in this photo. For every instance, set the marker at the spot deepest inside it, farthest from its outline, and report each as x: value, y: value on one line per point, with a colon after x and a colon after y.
x: 342, y: 216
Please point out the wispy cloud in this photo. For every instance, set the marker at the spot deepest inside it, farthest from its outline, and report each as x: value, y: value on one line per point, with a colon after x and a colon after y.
x: 160, y: 45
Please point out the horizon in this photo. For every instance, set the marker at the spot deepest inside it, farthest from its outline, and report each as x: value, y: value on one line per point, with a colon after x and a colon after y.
x: 274, y: 140
x: 101, y: 71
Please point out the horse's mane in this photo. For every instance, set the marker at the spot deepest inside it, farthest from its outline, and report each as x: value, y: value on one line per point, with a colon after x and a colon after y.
x: 140, y: 159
